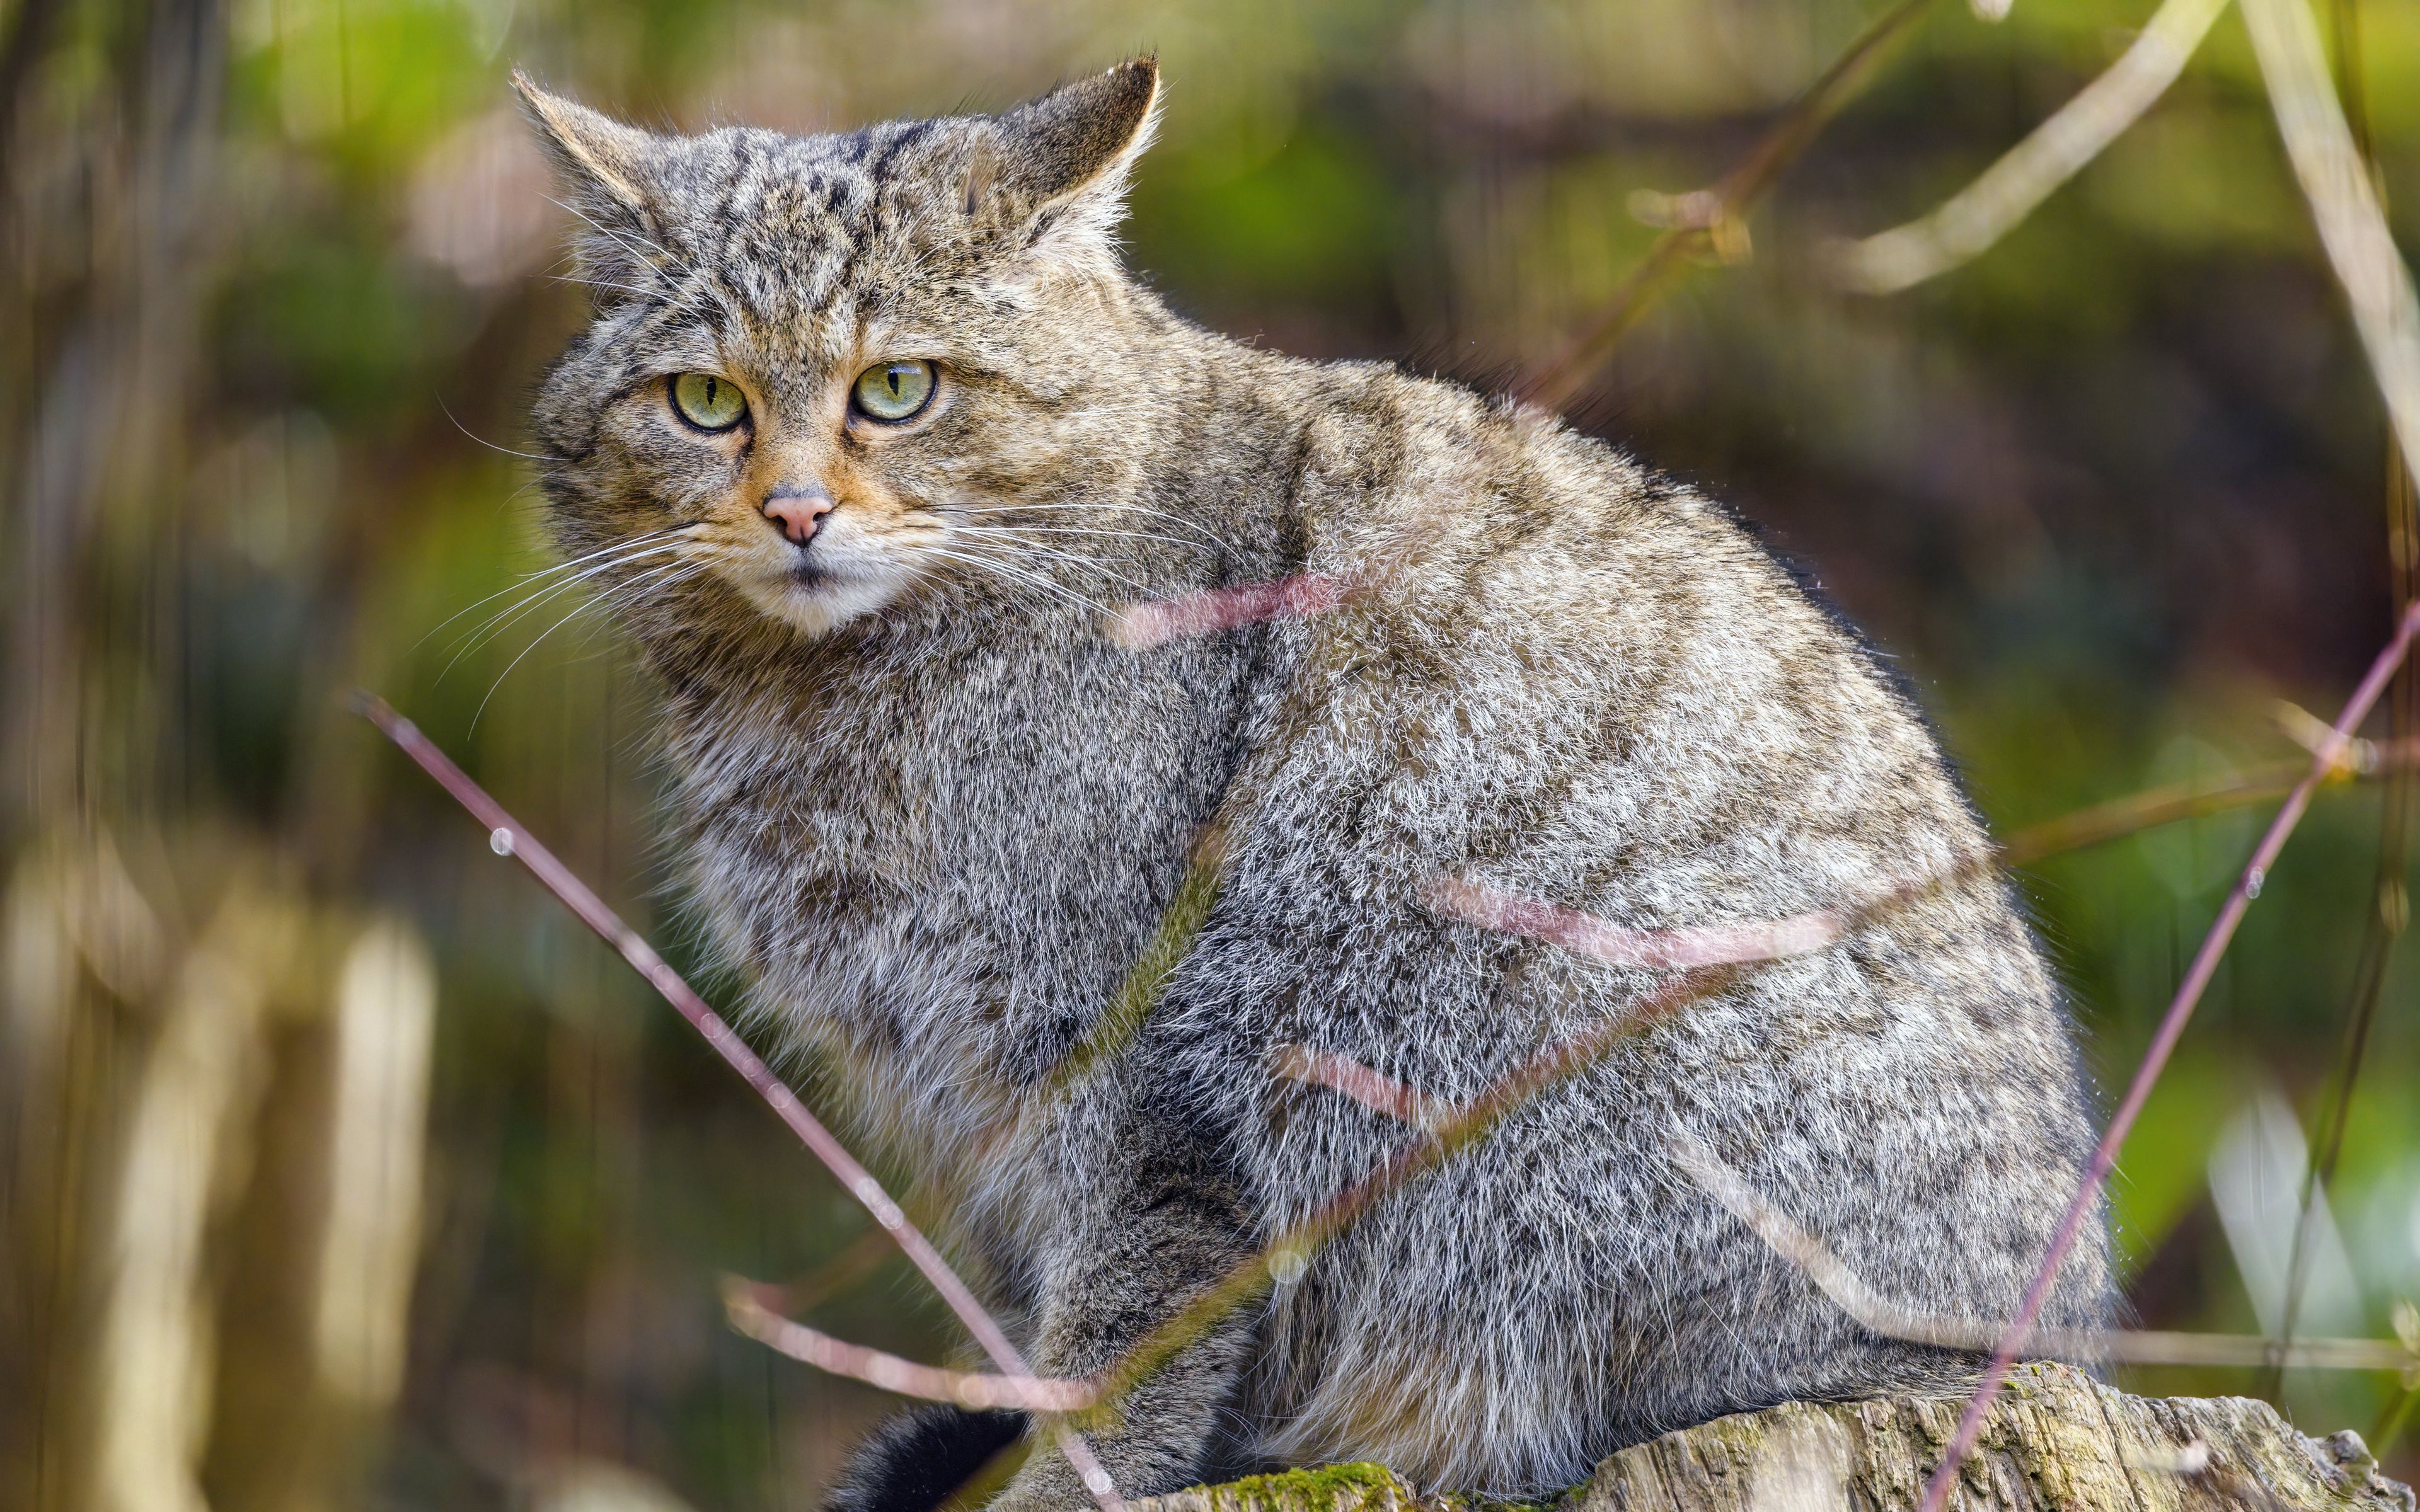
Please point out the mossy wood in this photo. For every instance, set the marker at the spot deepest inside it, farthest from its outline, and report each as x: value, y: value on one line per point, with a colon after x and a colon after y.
x: 2056, y: 1441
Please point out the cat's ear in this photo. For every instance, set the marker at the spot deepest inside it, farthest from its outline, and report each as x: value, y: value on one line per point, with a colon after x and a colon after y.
x: 607, y: 173
x: 1064, y: 159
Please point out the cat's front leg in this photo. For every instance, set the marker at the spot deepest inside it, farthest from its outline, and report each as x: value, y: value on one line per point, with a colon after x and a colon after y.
x: 1170, y: 1230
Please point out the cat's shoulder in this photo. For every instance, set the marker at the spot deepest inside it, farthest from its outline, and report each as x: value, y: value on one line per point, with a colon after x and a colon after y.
x: 1387, y: 451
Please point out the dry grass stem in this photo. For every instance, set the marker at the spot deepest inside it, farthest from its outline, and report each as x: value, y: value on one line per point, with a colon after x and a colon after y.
x: 1713, y: 217
x: 1196, y: 895
x: 746, y: 1302
x: 858, y: 1258
x: 2360, y: 757
x: 2169, y: 804
x: 2344, y: 203
x: 1969, y: 221
x: 2132, y: 1347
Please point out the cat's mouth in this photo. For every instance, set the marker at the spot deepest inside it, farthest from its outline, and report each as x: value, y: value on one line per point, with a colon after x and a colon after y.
x: 819, y: 586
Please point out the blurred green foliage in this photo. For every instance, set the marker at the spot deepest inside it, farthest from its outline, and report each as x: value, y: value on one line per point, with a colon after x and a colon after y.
x: 2100, y: 496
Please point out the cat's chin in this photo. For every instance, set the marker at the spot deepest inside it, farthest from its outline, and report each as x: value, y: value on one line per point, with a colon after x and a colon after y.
x: 816, y: 607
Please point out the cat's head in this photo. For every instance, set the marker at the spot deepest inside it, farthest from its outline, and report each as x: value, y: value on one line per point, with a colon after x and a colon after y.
x: 827, y: 370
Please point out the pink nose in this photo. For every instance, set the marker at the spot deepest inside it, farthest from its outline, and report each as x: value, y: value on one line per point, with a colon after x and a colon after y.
x: 794, y: 511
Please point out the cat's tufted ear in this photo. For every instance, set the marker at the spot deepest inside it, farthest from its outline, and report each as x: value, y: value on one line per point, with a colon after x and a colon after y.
x: 607, y: 171
x: 1061, y: 161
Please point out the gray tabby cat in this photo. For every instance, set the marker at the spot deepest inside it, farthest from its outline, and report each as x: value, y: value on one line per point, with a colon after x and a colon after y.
x: 868, y: 431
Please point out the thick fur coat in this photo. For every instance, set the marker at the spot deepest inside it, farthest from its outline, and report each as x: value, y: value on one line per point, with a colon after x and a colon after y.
x: 934, y: 814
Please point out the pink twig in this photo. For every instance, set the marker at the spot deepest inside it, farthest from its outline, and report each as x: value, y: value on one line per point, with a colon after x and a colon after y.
x: 2172, y: 1027
x: 506, y: 837
x: 1373, y: 1089
x: 1662, y: 950
x: 750, y: 1312
x: 1156, y: 622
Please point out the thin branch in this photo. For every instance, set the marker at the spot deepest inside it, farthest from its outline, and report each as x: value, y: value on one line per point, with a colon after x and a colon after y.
x: 1660, y: 950
x: 1284, y: 1256
x: 1380, y: 1093
x: 748, y: 1305
x: 2172, y: 1027
x: 1373, y: 1089
x: 1139, y: 626
x: 1849, y: 1291
x: 1989, y: 208
x: 2359, y: 759
x: 508, y: 838
x: 1715, y: 213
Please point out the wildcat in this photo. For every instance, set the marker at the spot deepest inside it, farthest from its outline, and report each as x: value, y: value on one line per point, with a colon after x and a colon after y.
x: 867, y: 433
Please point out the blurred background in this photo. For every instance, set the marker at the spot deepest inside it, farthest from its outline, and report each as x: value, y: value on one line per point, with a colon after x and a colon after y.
x: 338, y: 1167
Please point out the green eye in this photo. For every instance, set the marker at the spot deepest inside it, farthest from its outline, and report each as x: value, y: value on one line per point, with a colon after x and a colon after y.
x: 707, y: 402
x: 893, y: 391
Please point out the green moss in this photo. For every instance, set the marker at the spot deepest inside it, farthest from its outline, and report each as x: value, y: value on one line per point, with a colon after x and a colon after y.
x: 1461, y: 1502
x: 1744, y: 1436
x: 1348, y: 1487
x: 1321, y: 1488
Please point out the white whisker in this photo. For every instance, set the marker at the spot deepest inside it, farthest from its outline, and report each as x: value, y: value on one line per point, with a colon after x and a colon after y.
x: 604, y: 623
x: 542, y: 575
x: 543, y: 593
x: 1069, y: 557
x: 625, y: 238
x: 1084, y: 529
x: 1003, y: 569
x: 531, y: 457
x: 1096, y: 512
x: 503, y: 620
x: 600, y: 600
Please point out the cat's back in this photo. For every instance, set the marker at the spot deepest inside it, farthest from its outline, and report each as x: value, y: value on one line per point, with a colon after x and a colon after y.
x: 1537, y: 629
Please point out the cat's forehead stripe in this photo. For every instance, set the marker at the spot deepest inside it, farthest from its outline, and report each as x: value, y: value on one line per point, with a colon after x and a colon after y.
x: 793, y: 220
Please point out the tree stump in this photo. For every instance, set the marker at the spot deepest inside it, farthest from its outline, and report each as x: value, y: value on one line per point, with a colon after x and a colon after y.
x: 2056, y: 1440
